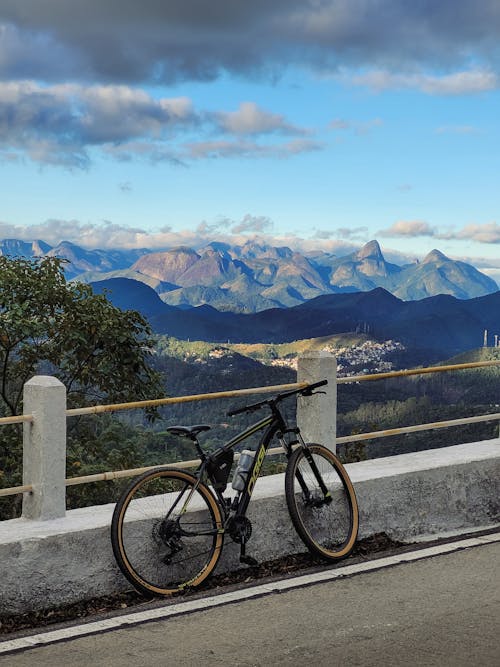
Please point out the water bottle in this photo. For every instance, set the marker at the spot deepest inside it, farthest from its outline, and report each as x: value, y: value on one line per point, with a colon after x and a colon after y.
x: 241, y: 472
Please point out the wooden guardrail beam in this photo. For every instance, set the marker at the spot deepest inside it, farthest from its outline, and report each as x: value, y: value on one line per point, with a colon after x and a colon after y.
x: 416, y: 371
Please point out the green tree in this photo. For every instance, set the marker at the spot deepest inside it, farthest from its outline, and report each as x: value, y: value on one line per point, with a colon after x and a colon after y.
x: 99, y: 352
x: 64, y: 329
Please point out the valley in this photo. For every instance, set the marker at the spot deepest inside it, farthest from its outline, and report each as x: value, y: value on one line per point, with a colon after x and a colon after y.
x: 193, y: 367
x: 430, y: 329
x: 255, y: 293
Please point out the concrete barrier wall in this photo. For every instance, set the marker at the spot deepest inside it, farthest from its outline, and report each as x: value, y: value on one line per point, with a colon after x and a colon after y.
x: 412, y: 496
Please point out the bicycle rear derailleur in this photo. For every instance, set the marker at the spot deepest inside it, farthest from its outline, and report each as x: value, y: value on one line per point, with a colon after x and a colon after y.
x: 240, y: 531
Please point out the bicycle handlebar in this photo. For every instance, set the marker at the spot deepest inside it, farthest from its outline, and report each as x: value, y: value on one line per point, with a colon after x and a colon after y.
x: 305, y: 391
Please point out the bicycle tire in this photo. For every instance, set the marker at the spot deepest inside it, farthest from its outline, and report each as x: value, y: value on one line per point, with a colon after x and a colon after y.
x: 328, y: 525
x: 166, y: 532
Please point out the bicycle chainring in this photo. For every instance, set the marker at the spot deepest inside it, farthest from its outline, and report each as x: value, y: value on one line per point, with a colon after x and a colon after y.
x: 239, y: 529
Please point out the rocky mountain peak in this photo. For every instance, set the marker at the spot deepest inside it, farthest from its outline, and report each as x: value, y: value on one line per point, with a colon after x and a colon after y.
x: 40, y: 248
x: 167, y: 266
x: 370, y: 250
x: 434, y: 256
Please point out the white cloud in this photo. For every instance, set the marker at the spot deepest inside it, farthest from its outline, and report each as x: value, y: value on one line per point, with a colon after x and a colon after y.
x: 205, y: 229
x: 458, y: 83
x: 112, y: 235
x: 154, y: 152
x: 340, y: 124
x: 105, y: 235
x: 249, y: 119
x: 348, y: 233
x: 59, y: 124
x: 63, y: 124
x: 358, y: 127
x: 481, y: 233
x: 109, y: 235
x: 223, y: 148
x: 249, y: 224
x: 252, y: 224
x: 408, y: 228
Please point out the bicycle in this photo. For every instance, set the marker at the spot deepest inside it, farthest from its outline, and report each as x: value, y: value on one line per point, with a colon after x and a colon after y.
x: 168, y: 527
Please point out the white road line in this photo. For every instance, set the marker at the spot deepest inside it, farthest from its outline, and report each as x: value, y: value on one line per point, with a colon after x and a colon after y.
x: 187, y: 607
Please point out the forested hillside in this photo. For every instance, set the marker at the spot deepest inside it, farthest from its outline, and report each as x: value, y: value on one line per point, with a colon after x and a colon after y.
x: 362, y: 407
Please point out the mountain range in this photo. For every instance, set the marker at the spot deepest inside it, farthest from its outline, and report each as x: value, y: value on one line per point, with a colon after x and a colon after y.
x: 255, y: 277
x: 442, y: 325
x: 282, y: 295
x: 79, y: 260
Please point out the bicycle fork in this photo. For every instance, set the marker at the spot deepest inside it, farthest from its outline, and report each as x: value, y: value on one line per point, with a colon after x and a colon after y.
x: 299, y: 441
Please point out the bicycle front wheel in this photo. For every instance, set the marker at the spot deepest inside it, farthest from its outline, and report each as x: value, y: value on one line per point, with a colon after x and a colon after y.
x: 322, y: 502
x: 167, y: 532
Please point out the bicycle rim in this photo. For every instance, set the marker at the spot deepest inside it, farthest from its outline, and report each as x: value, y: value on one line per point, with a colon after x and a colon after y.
x: 327, y: 523
x: 166, y: 532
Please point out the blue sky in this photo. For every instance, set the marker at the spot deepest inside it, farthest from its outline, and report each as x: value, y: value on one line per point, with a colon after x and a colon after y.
x: 313, y: 124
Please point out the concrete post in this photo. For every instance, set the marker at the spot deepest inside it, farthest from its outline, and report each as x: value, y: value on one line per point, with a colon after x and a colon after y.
x: 317, y: 415
x: 44, y: 448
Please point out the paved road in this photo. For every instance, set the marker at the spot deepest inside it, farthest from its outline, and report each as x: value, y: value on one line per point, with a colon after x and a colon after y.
x: 440, y: 611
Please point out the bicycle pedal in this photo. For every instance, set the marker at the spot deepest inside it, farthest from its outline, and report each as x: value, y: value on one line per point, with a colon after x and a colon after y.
x: 248, y: 560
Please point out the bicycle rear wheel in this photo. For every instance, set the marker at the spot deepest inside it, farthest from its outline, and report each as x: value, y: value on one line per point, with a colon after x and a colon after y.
x: 166, y: 532
x: 322, y: 502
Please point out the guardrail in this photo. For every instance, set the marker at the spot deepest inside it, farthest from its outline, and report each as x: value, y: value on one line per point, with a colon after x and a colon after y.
x: 18, y: 419
x: 117, y: 407
x: 43, y: 426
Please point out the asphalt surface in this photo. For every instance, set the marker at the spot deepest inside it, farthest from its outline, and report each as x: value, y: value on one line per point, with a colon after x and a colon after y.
x: 441, y: 611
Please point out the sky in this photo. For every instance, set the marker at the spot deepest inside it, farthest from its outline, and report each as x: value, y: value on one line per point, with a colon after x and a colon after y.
x: 307, y: 123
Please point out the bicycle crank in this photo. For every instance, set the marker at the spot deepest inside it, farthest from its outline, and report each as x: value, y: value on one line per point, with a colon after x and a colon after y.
x: 239, y: 529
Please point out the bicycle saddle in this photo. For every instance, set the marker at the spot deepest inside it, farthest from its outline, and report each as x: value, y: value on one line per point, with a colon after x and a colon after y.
x: 188, y: 431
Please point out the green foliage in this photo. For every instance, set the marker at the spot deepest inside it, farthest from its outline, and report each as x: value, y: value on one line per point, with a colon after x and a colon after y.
x: 182, y: 349
x: 63, y: 329
x: 103, y: 444
x: 47, y: 324
x: 422, y: 401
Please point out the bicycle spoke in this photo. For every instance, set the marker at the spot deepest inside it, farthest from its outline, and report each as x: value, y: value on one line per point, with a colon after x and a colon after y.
x: 321, y: 501
x: 160, y: 543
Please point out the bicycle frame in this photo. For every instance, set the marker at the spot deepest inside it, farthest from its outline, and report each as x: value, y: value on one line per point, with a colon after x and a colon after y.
x: 275, y: 426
